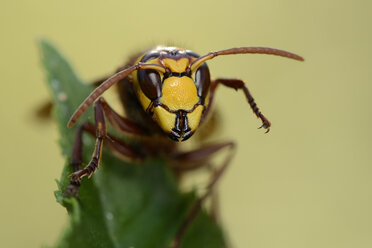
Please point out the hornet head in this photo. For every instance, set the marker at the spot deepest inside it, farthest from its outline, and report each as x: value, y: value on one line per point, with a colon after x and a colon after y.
x: 177, y: 98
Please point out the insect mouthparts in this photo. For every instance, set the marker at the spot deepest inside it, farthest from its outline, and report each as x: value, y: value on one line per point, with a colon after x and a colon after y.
x: 181, y: 130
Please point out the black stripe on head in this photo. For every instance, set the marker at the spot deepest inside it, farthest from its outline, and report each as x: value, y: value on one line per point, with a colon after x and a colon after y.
x: 150, y: 55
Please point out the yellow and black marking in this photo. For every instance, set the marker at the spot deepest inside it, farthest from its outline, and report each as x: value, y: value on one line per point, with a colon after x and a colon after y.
x: 176, y: 99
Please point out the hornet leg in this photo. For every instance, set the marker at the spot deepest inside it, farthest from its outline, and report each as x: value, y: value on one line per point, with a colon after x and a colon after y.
x: 239, y: 84
x: 100, y: 132
x: 193, y: 160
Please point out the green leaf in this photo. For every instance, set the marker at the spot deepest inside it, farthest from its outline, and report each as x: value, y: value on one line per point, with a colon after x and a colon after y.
x: 123, y: 204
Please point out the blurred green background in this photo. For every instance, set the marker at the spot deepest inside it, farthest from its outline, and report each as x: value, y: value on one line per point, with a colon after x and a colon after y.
x: 305, y: 184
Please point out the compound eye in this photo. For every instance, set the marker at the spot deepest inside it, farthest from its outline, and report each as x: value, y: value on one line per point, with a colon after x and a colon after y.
x: 202, y: 80
x: 150, y: 83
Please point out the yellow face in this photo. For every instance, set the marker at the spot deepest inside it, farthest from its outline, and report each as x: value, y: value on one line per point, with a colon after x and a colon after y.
x: 174, y: 99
